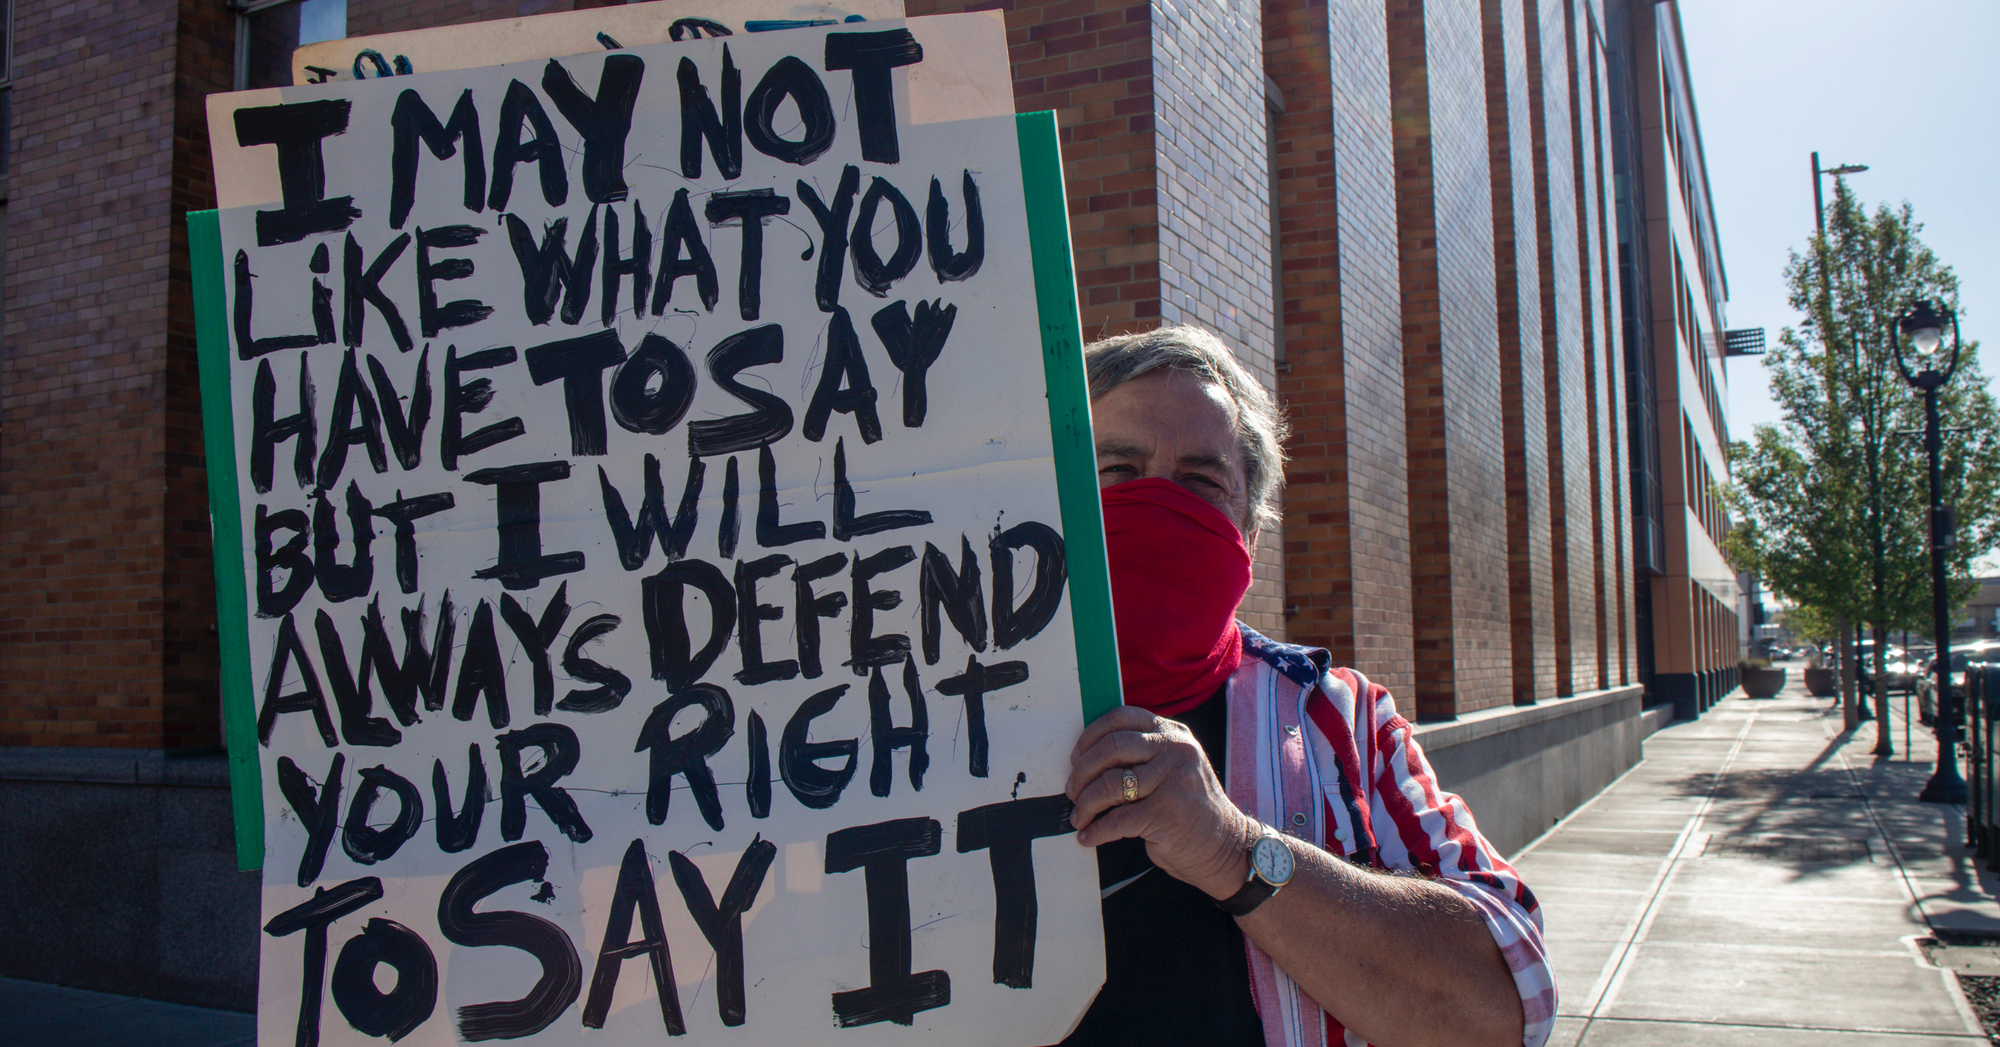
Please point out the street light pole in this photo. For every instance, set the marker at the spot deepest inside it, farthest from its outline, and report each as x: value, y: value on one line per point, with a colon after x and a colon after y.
x: 1924, y: 327
x: 1848, y: 655
x: 1819, y: 206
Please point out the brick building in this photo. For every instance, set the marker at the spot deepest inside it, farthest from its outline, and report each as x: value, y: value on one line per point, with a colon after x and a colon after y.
x: 1467, y: 242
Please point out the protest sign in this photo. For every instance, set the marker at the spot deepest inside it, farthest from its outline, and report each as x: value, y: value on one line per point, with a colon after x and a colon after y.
x: 655, y: 517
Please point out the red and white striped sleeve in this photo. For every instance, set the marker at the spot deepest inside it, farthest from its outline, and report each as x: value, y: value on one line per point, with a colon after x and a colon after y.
x: 1420, y: 827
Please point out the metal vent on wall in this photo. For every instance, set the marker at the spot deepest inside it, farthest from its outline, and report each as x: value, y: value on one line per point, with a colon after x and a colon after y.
x: 1744, y: 341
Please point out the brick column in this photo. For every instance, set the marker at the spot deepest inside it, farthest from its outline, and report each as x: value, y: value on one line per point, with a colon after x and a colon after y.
x: 1517, y: 291
x: 103, y: 616
x: 1588, y: 609
x: 1347, y: 501
x: 1457, y: 474
x: 1557, y: 255
x: 1614, y: 467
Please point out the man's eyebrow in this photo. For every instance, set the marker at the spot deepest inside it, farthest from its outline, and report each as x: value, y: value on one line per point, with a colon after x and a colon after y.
x: 1207, y: 461
x: 1116, y: 449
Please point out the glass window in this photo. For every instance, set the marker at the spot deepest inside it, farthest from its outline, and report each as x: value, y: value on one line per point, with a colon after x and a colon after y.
x: 322, y: 20
x: 270, y: 34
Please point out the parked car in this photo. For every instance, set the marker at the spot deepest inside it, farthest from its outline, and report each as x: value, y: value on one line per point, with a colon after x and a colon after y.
x: 1904, y: 668
x: 1962, y: 655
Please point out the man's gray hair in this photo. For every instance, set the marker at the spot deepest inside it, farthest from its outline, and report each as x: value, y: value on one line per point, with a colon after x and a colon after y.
x: 1260, y: 425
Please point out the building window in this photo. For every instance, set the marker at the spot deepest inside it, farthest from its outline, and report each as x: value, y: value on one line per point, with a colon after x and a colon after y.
x: 322, y: 20
x: 268, y: 31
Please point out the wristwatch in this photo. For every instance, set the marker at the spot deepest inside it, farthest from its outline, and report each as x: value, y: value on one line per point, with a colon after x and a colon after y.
x: 1271, y: 868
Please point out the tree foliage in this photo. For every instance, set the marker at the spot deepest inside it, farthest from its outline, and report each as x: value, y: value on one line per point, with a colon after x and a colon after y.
x: 1809, y: 624
x: 1830, y: 506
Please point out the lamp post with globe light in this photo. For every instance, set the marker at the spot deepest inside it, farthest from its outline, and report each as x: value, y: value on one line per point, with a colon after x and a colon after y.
x: 1921, y: 357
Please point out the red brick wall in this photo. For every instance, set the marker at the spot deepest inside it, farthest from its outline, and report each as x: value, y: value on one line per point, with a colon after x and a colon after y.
x: 1371, y: 346
x: 1091, y: 62
x: 1296, y: 58
x: 1214, y: 214
x: 1347, y: 512
x: 106, y: 581
x: 1458, y: 561
x: 1510, y: 112
x: 1587, y: 523
x: 190, y: 653
x: 1447, y: 290
x: 1621, y: 668
x: 1562, y: 337
x: 84, y: 514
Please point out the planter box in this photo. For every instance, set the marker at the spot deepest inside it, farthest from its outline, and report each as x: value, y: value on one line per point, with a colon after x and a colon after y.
x: 1763, y: 683
x: 1822, y: 683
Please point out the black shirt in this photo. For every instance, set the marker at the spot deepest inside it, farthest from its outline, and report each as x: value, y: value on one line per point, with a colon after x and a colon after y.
x: 1174, y: 967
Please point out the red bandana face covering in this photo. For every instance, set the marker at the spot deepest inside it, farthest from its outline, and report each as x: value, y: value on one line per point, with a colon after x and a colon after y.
x: 1178, y: 571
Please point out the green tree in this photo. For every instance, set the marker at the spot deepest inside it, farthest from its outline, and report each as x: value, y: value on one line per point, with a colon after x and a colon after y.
x: 1809, y: 624
x: 1830, y: 506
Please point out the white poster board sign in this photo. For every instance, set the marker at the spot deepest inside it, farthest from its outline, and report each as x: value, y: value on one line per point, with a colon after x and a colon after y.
x: 659, y: 619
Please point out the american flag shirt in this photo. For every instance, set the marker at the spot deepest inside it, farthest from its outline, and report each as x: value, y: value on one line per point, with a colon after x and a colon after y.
x: 1321, y: 754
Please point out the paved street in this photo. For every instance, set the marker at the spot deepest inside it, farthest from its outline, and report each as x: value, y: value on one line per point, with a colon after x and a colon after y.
x: 1758, y: 879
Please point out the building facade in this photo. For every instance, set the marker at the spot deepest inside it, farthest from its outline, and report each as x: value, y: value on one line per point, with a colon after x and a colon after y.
x: 1467, y: 243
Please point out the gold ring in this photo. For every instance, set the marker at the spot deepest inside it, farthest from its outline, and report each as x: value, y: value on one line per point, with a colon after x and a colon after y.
x: 1131, y: 783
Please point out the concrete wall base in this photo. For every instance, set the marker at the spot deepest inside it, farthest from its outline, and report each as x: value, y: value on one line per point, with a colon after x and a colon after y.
x: 1654, y: 718
x: 1683, y: 691
x: 118, y: 873
x: 1522, y: 768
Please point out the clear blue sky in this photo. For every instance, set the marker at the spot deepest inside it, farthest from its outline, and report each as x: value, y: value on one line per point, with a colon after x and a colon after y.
x: 1911, y: 88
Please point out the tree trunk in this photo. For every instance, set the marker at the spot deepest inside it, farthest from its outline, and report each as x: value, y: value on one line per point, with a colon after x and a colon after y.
x: 1850, y: 707
x: 1882, y: 729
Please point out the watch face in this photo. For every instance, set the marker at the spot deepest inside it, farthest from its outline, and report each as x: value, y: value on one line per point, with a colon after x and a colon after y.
x: 1272, y: 860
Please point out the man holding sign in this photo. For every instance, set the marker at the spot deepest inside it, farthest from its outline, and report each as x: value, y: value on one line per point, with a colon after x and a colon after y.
x: 1227, y: 734
x: 652, y: 446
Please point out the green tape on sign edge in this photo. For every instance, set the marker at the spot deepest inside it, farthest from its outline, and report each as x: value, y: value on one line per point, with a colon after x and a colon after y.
x: 211, y: 333
x: 1069, y: 414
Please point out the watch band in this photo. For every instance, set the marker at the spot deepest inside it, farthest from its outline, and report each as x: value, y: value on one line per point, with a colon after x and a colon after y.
x: 1243, y: 902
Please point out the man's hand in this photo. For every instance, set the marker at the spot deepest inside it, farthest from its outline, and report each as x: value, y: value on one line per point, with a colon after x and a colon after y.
x: 1396, y: 959
x: 1192, y: 830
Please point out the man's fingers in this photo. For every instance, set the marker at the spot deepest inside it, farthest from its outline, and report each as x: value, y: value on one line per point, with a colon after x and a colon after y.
x: 1117, y: 749
x: 1123, y: 718
x: 1120, y: 821
x: 1107, y: 791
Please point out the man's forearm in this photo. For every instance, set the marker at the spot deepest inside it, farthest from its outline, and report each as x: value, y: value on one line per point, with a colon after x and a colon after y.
x: 1399, y: 960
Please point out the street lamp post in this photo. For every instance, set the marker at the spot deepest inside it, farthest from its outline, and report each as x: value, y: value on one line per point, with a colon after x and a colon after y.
x: 1819, y: 206
x: 1923, y: 328
x: 1854, y: 653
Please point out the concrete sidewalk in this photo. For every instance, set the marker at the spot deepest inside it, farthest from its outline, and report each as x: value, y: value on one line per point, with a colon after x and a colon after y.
x: 1761, y: 878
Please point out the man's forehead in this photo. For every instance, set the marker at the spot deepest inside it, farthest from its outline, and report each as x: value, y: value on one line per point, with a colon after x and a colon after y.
x: 1195, y: 413
x: 1124, y: 447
